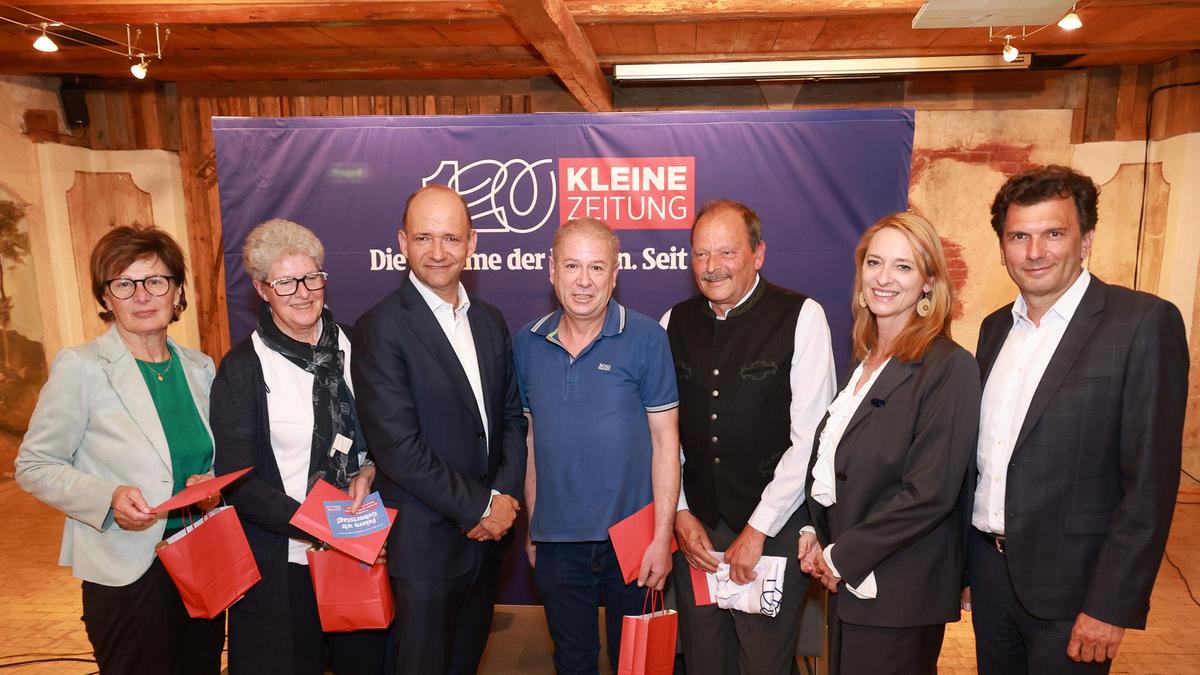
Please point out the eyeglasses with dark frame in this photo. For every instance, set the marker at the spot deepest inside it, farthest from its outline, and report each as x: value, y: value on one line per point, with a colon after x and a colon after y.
x: 123, y: 288
x: 285, y: 286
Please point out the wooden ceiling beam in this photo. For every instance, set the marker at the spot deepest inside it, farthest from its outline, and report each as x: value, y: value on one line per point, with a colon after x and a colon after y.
x: 319, y: 63
x: 548, y: 26
x: 623, y: 11
x: 240, y: 12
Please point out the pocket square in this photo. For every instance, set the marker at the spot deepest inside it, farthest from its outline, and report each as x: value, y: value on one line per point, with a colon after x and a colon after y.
x: 878, y: 402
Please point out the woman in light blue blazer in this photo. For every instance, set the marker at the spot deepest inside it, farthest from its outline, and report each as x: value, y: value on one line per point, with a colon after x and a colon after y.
x: 120, y: 426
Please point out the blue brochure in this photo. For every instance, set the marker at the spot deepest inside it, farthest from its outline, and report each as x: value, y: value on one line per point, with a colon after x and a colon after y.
x: 370, y: 517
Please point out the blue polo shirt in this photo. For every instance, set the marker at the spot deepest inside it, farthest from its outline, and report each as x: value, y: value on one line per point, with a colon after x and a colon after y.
x: 590, y: 431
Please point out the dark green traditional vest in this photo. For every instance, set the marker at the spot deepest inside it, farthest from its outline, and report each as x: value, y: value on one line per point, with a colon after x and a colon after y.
x: 734, y: 398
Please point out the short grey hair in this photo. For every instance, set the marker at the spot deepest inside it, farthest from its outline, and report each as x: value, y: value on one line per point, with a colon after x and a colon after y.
x: 590, y: 226
x: 276, y: 239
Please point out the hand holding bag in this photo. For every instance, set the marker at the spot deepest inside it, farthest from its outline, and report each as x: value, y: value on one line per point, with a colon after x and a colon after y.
x: 351, y: 595
x: 648, y: 640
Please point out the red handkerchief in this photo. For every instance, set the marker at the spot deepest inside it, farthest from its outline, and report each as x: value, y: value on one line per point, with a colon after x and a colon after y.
x: 631, y: 537
x: 312, y: 519
x: 700, y: 587
x: 198, y: 492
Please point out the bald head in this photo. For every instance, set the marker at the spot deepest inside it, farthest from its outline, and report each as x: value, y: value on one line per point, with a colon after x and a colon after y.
x: 441, y: 198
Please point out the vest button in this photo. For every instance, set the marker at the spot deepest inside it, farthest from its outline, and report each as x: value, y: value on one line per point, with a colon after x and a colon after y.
x: 716, y: 371
x: 716, y: 393
x: 712, y: 416
x: 716, y: 460
x: 714, y: 439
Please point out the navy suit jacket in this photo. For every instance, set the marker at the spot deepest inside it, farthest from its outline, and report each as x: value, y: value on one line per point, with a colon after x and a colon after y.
x: 424, y: 431
x: 1095, y: 470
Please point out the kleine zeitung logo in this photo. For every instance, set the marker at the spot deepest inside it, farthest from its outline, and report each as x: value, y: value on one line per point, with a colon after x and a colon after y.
x: 629, y: 193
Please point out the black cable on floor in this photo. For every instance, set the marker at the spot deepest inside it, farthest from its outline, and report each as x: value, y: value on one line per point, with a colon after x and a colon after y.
x: 1189, y: 475
x: 28, y: 663
x: 1188, y: 586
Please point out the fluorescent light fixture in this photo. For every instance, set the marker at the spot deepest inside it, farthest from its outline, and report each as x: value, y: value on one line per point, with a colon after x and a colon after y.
x: 814, y: 69
x: 44, y: 43
x: 140, y: 69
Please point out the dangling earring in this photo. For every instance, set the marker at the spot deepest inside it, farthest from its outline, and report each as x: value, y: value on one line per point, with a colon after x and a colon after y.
x: 862, y: 299
x: 924, y: 306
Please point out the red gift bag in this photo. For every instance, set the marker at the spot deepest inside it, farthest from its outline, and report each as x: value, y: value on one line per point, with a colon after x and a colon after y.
x: 648, y: 640
x: 351, y: 594
x: 210, y: 563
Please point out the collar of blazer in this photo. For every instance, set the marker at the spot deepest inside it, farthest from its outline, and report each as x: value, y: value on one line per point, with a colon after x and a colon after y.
x: 429, y: 332
x: 1074, y: 339
x: 129, y: 385
x: 893, y: 375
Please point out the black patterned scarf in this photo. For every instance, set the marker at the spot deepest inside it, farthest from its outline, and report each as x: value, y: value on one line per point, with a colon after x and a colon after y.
x: 333, y: 404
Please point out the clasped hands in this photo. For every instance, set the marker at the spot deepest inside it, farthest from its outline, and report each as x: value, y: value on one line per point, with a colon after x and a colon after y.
x: 131, y: 511
x: 742, y: 555
x: 496, y: 524
x: 813, y: 563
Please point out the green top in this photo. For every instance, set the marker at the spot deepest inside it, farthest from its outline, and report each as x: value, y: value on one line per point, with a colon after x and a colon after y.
x: 190, y: 445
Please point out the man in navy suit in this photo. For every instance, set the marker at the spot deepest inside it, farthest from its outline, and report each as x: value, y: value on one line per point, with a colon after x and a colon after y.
x: 437, y: 395
x: 1085, y: 386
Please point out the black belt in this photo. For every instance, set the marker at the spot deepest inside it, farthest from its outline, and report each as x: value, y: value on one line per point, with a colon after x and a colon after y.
x: 996, y: 540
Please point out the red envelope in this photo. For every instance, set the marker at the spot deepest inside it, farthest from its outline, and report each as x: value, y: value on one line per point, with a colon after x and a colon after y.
x: 198, y: 492
x: 311, y: 518
x: 631, y: 537
x: 700, y: 587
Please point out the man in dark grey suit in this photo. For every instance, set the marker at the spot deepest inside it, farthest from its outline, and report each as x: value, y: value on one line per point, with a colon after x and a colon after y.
x: 1085, y: 386
x: 437, y: 395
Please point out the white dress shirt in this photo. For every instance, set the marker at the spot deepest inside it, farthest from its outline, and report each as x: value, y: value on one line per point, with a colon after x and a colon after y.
x: 1010, y: 386
x: 813, y: 381
x: 824, y: 485
x: 457, y: 327
x: 290, y: 409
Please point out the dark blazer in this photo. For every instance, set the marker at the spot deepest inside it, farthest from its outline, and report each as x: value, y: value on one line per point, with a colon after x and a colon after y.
x: 1095, y: 470
x: 242, y: 437
x: 902, y: 490
x: 424, y: 432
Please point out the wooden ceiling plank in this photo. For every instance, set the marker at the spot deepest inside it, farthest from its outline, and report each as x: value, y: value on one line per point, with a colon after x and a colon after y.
x: 548, y: 26
x: 756, y: 36
x: 635, y: 38
x: 798, y: 34
x: 119, y: 12
x: 675, y: 38
x: 602, y: 11
x: 602, y: 39
x: 717, y: 36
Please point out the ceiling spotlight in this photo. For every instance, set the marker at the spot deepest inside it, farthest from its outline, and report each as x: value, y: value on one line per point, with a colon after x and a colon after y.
x: 1071, y: 21
x: 1010, y: 53
x: 44, y: 43
x: 140, y: 69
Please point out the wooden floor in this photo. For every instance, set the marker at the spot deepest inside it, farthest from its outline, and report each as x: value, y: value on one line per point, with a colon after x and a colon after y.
x: 39, y: 606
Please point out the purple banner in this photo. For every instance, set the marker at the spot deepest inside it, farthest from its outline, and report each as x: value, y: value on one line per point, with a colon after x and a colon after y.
x: 816, y: 178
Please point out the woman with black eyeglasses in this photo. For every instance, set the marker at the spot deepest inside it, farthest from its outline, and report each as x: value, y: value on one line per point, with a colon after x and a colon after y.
x: 283, y: 403
x: 119, y: 427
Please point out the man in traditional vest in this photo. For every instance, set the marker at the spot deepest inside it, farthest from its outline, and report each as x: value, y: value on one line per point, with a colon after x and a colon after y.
x: 755, y: 373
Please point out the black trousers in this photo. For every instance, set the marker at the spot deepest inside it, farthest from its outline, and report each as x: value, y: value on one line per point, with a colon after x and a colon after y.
x: 876, y: 650
x: 144, y: 628
x: 1008, y: 639
x: 442, y: 625
x: 724, y: 642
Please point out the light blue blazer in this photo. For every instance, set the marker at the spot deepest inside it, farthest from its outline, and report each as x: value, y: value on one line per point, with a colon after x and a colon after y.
x: 95, y: 427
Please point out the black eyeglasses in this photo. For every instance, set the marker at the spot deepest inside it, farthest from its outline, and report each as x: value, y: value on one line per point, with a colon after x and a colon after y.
x: 285, y: 286
x: 123, y: 288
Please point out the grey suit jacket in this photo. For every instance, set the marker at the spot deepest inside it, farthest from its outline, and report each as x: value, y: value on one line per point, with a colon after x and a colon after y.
x: 1094, y: 473
x: 902, y: 495
x: 95, y: 428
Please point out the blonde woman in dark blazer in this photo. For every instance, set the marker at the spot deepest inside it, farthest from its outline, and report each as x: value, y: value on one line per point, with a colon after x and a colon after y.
x: 885, y: 487
x: 120, y: 426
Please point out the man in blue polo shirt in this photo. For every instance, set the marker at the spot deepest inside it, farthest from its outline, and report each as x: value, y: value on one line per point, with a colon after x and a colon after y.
x: 598, y: 384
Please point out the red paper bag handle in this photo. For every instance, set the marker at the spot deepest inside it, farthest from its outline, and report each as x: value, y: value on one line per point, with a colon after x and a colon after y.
x: 655, y: 599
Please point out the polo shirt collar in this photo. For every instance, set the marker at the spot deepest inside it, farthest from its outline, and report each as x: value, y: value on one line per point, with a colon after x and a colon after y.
x: 614, y: 321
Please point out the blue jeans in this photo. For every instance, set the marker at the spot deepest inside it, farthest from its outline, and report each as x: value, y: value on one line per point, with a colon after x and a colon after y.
x: 573, y: 578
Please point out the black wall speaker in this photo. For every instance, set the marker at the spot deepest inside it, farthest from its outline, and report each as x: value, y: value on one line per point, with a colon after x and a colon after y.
x: 74, y: 103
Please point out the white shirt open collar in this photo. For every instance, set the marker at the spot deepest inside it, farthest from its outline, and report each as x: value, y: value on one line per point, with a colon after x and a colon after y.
x: 435, y: 301
x: 1064, y: 307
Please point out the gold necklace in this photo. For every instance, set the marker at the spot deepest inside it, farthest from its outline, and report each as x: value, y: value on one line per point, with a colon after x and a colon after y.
x: 160, y: 376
